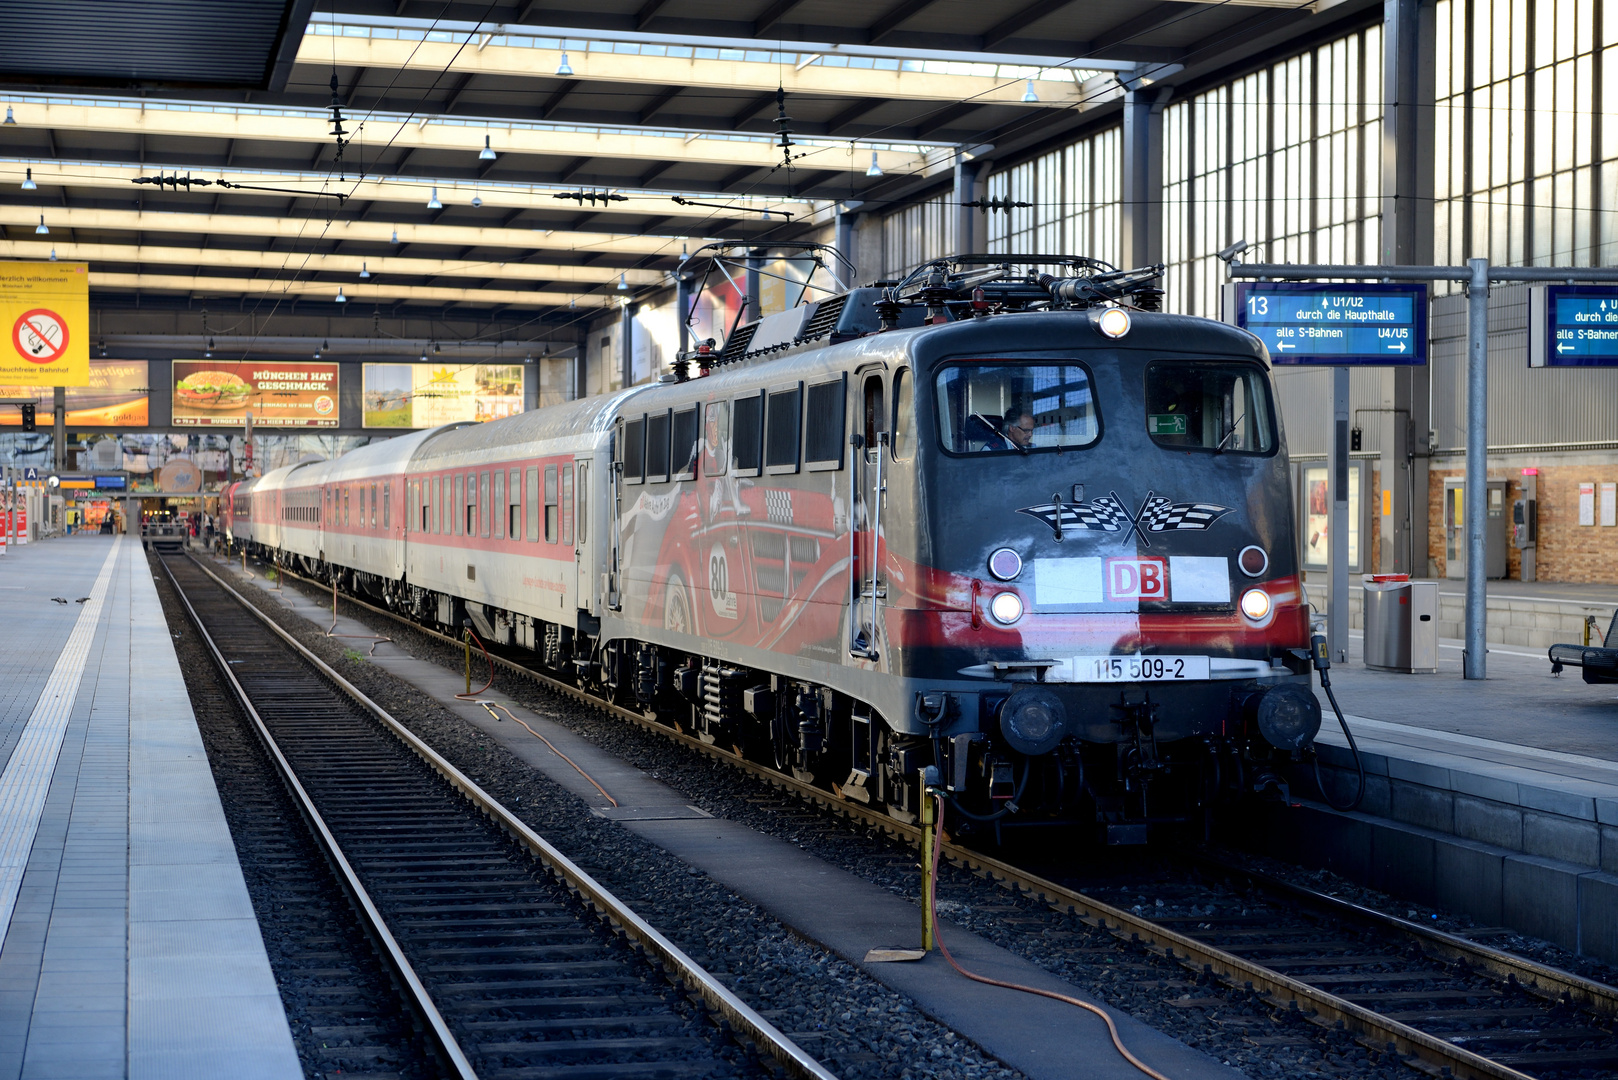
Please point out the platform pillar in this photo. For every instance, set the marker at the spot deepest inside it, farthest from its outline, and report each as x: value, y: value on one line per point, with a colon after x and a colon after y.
x: 1337, y: 522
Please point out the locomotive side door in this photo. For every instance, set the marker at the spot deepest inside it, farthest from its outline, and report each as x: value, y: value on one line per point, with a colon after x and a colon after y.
x: 613, y: 571
x: 868, y: 491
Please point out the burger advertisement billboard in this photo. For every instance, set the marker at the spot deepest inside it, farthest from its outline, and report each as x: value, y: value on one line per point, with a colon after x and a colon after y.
x: 208, y: 393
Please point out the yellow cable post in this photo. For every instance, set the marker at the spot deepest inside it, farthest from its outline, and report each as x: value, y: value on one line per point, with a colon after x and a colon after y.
x: 929, y: 938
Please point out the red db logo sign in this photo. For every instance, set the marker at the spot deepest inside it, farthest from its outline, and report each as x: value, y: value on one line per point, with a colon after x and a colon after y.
x: 1137, y: 579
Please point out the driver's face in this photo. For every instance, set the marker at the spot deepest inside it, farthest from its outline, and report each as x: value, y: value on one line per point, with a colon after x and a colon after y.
x: 1022, y: 432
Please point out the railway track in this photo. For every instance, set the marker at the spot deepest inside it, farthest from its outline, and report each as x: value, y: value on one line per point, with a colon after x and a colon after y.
x: 516, y: 964
x: 1444, y: 1004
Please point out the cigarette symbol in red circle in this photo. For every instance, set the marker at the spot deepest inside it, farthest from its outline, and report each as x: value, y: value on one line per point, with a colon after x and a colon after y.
x: 40, y: 336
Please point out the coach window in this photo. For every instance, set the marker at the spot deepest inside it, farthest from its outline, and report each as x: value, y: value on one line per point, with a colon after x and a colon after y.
x: 550, y: 504
x: 499, y: 511
x: 347, y: 492
x: 657, y: 447
x: 373, y: 506
x: 584, y: 499
x: 460, y: 500
x: 1015, y: 408
x: 823, y: 426
x: 904, y: 415
x: 683, y: 443
x: 567, y: 504
x: 483, y: 505
x: 782, y: 430
x: 532, y: 489
x: 514, y: 511
x: 747, y: 434
x: 1204, y: 405
x: 362, y: 506
x: 471, y: 514
x: 632, y: 451
x: 387, y: 505
x: 716, y: 439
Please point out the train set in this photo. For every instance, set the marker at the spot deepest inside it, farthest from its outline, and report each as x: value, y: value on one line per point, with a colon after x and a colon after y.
x: 1021, y: 528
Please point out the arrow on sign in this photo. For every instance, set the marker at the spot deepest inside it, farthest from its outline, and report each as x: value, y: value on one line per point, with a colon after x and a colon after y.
x: 1285, y: 345
x: 1562, y: 346
x: 1400, y: 346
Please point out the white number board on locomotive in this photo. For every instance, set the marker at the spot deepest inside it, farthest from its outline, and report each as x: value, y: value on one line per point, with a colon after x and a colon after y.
x: 1139, y: 668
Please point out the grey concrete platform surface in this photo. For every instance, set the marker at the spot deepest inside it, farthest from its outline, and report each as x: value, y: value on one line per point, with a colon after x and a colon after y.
x: 818, y: 901
x: 128, y: 944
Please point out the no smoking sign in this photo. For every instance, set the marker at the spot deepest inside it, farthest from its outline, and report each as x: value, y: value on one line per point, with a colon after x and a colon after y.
x: 40, y: 336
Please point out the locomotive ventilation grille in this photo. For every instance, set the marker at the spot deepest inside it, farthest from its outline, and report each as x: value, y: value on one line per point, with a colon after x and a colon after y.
x: 825, y: 318
x: 736, y: 347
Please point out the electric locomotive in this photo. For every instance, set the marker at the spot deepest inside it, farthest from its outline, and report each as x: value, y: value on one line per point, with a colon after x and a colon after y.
x: 1018, y: 527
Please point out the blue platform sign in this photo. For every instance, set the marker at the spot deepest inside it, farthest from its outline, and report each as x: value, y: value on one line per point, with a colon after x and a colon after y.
x: 1337, y: 325
x: 1573, y: 326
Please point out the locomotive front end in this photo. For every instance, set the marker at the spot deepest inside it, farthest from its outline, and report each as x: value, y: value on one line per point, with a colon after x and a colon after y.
x: 1116, y: 606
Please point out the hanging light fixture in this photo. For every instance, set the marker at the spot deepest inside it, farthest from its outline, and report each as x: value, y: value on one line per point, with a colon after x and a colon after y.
x: 9, y: 118
x: 477, y: 201
x: 365, y: 270
x: 208, y: 352
x: 42, y: 229
x: 341, y: 299
x: 564, y: 68
x: 424, y: 355
x: 28, y: 181
x: 623, y: 286
x: 437, y: 348
x: 432, y: 204
x: 1028, y: 95
x: 102, y: 345
x: 487, y: 154
x: 396, y: 234
x: 317, y: 352
x: 875, y: 169
x: 53, y: 254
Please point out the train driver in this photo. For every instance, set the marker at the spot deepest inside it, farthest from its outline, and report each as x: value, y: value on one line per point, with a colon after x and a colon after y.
x: 1016, y: 431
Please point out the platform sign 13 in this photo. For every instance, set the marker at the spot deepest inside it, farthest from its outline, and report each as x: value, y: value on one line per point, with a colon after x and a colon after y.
x: 1337, y: 325
x: 1573, y: 326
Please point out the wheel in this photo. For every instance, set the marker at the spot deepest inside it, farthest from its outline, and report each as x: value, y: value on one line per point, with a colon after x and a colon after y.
x: 677, y: 606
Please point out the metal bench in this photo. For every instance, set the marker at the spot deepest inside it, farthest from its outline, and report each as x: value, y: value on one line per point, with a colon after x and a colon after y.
x: 1599, y: 663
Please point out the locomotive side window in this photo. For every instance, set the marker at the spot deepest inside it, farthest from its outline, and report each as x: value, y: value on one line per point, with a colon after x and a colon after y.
x: 747, y: 433
x: 1206, y: 405
x: 823, y: 426
x: 782, y: 429
x: 716, y: 439
x: 683, y: 443
x: 874, y: 420
x: 904, y: 415
x: 1016, y: 408
x: 633, y: 449
x: 533, y: 505
x: 657, y: 447
x: 550, y: 504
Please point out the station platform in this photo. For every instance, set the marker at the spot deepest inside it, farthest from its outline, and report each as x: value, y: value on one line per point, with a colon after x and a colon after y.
x: 128, y: 944
x: 820, y: 902
x: 1496, y: 799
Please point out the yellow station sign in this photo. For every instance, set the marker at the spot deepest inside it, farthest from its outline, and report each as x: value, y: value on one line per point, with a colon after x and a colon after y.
x: 45, y: 315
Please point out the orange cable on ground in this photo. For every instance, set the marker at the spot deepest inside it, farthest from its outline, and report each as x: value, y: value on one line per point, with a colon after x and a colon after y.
x: 1112, y: 1029
x: 548, y: 743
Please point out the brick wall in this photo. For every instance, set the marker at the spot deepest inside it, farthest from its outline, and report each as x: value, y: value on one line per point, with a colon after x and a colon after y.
x: 1567, y: 551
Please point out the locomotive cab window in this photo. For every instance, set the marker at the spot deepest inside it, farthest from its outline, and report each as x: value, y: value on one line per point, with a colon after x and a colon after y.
x: 823, y: 426
x: 747, y: 435
x: 632, y: 451
x: 684, y: 442
x: 1011, y: 407
x: 783, y: 429
x: 1207, y: 405
x: 657, y: 447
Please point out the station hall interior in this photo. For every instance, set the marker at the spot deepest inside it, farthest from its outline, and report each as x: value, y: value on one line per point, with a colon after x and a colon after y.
x: 242, y: 235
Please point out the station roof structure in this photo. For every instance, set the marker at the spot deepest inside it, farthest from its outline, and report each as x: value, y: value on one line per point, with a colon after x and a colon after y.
x: 527, y: 155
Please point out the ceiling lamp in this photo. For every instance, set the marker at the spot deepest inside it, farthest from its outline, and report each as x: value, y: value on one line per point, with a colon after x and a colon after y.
x: 396, y: 234
x: 42, y: 229
x: 208, y: 352
x: 341, y: 299
x: 53, y: 254
x: 9, y: 118
x: 28, y: 181
x: 432, y: 204
x: 623, y: 286
x: 424, y: 355
x: 564, y: 68
x: 477, y: 201
x: 365, y: 270
x: 875, y: 169
x: 1028, y: 95
x: 436, y: 349
x: 487, y: 154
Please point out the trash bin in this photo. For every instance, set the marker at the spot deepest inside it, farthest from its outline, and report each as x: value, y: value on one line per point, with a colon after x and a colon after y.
x: 1401, y: 623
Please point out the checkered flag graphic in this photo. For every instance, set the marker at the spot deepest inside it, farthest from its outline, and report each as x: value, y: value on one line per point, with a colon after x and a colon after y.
x: 1100, y: 515
x: 778, y: 506
x: 1161, y: 515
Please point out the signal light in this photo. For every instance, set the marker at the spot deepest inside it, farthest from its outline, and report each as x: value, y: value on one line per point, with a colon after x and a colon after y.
x: 1355, y: 438
x: 28, y: 418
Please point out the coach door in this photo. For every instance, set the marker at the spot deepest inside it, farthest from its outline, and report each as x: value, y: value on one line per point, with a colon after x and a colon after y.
x: 578, y: 498
x: 868, y: 488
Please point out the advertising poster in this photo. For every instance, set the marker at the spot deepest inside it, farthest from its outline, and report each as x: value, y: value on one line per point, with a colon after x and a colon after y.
x: 45, y: 313
x: 1317, y: 516
x: 427, y: 395
x: 288, y: 394
x: 116, y: 397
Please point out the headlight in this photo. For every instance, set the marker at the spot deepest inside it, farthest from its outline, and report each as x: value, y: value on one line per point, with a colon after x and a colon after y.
x: 1114, y: 322
x: 1288, y: 717
x: 1006, y: 607
x: 1256, y: 604
x: 1005, y: 564
x: 1033, y: 721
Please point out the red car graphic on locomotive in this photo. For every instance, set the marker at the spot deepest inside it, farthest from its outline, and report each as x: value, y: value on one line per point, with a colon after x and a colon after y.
x: 1026, y: 530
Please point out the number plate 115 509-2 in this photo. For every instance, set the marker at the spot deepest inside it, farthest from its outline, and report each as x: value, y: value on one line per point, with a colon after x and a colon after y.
x: 1139, y: 668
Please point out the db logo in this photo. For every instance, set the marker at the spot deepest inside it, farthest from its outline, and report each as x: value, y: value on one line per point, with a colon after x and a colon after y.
x: 1137, y: 579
